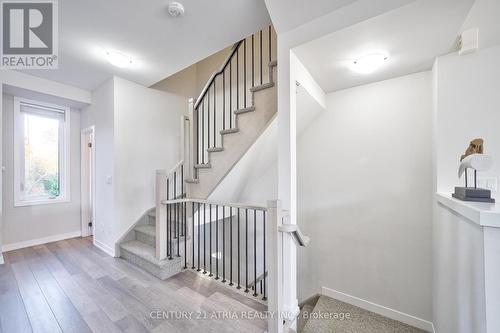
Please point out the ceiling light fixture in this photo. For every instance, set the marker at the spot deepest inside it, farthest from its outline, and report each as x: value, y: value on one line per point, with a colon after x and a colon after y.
x: 118, y: 59
x: 175, y: 9
x: 369, y: 63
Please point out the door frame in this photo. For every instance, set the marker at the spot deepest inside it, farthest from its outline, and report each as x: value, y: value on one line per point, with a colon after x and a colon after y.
x: 83, y: 179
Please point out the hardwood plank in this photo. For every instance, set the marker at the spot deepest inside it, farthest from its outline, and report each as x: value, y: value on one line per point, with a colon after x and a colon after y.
x: 62, y: 259
x: 131, y: 325
x: 95, y: 318
x: 39, y: 313
x: 83, y: 263
x: 136, y: 307
x: 84, y: 251
x: 113, y: 309
x: 13, y: 316
x: 67, y: 316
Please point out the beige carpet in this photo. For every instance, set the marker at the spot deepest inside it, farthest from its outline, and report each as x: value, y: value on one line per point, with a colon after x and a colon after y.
x: 333, y: 316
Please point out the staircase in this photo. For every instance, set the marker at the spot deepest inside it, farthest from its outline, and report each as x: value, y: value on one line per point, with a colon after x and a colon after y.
x: 238, y: 245
x: 141, y: 250
x: 234, y: 108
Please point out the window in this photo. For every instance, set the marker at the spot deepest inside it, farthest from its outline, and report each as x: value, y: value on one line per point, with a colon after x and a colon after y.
x: 41, y: 148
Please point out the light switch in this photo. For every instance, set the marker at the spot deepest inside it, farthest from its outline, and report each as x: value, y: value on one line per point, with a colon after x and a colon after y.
x: 109, y: 180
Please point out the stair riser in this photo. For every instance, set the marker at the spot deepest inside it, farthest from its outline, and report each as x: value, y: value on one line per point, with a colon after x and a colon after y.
x: 145, y: 238
x: 163, y: 273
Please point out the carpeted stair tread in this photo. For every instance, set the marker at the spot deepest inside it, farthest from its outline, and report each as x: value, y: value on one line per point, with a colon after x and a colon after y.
x: 303, y: 317
x: 359, y: 321
x: 147, y: 229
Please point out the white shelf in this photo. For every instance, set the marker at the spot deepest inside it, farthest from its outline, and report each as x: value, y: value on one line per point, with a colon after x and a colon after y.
x: 484, y: 214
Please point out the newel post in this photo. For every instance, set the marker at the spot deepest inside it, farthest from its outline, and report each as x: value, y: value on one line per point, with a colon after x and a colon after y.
x: 161, y: 214
x: 274, y: 244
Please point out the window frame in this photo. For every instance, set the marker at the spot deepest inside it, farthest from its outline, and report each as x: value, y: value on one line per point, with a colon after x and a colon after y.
x: 64, y: 152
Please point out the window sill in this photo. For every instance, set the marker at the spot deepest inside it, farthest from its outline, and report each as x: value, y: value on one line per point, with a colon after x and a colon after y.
x: 41, y: 202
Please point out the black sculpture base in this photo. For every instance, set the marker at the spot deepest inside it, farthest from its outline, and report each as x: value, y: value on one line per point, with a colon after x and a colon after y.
x: 473, y: 194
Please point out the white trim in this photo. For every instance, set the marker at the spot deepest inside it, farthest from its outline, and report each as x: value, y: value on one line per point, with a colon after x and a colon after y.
x: 40, y: 241
x: 379, y: 309
x: 1, y: 259
x: 83, y: 199
x: 104, y: 247
x: 65, y: 162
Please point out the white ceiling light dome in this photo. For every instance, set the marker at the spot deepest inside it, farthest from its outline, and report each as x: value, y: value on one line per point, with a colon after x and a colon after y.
x: 119, y: 59
x: 176, y: 9
x: 369, y: 63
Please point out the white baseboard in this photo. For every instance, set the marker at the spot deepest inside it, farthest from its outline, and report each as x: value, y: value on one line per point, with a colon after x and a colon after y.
x: 104, y: 247
x: 379, y: 309
x: 1, y: 259
x: 39, y: 241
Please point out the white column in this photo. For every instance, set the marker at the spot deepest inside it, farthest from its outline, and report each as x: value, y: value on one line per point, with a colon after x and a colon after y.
x: 161, y: 214
x: 491, y: 238
x: 274, y: 253
x: 287, y: 175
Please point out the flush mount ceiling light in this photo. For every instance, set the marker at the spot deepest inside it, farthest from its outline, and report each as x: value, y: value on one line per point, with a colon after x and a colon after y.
x: 118, y: 59
x: 369, y: 63
x: 175, y: 9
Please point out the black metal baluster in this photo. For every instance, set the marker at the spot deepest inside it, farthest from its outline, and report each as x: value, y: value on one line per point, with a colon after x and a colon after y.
x: 246, y: 250
x: 239, y: 272
x: 216, y: 242
x: 215, y: 107
x: 255, y: 251
x: 176, y: 228
x: 197, y: 112
x: 204, y: 239
x: 264, y: 256
x: 237, y: 87
x: 199, y: 237
x: 192, y: 220
x: 168, y: 222
x: 208, y: 116
x: 260, y: 39
x: 245, y: 72
x: 230, y: 89
x: 185, y: 235
x: 223, y: 244
x: 203, y: 132
x: 230, y: 246
x: 210, y: 252
x: 270, y: 36
x: 253, y: 62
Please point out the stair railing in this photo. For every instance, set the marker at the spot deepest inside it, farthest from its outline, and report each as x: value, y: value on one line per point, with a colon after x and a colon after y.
x: 237, y: 244
x: 229, y: 89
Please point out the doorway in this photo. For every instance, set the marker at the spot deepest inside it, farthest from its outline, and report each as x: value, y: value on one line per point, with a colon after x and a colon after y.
x: 88, y: 181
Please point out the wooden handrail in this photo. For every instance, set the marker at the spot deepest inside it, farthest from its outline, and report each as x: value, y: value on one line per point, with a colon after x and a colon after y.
x: 217, y: 73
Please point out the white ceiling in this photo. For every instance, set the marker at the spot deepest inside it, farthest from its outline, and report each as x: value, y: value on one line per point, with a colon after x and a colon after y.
x: 290, y: 14
x: 159, y: 44
x: 413, y: 36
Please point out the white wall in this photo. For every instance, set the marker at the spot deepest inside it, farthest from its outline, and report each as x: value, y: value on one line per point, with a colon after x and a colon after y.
x: 146, y: 138
x: 254, y: 179
x: 484, y: 16
x: 364, y: 195
x: 468, y: 101
x: 22, y: 225
x: 458, y: 271
x: 467, y: 106
x: 137, y: 131
x: 100, y: 114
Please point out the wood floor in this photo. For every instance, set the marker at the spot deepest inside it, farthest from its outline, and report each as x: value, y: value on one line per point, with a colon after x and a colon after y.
x: 71, y: 286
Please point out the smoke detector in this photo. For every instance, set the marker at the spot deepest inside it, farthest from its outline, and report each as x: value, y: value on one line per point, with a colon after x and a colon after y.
x: 175, y: 9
